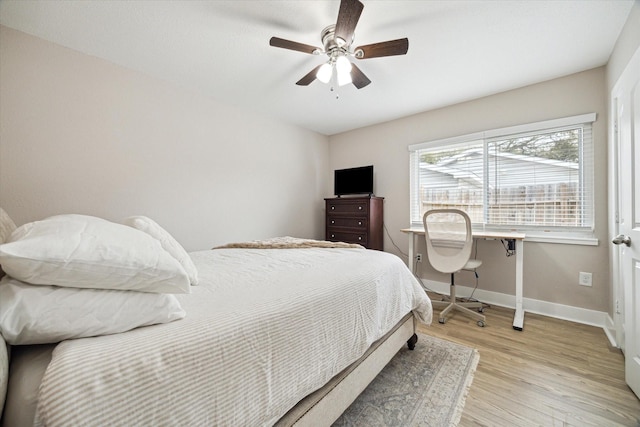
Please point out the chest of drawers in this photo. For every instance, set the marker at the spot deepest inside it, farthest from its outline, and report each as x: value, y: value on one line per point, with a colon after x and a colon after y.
x: 355, y: 220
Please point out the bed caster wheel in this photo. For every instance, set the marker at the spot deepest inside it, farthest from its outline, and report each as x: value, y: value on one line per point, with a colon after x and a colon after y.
x: 481, y: 323
x: 441, y: 320
x: 412, y: 342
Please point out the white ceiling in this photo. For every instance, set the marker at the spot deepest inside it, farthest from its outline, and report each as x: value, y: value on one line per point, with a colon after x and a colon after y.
x: 458, y: 50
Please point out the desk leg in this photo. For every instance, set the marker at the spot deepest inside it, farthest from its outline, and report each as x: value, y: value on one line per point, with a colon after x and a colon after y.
x: 518, y: 318
x: 411, y: 251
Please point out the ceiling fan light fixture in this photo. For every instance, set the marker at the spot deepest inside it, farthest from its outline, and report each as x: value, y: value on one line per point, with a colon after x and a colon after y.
x: 343, y: 65
x: 324, y: 73
x: 344, y: 78
x: 343, y: 70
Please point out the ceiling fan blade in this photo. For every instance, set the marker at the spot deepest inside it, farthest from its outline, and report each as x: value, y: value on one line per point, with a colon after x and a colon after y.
x: 348, y: 17
x: 288, y: 44
x: 389, y: 48
x: 311, y: 76
x: 358, y: 78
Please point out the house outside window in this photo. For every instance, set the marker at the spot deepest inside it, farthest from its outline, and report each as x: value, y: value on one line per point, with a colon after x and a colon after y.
x: 536, y: 178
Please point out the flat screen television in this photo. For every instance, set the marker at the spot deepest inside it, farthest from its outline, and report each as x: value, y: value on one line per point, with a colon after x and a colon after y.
x: 353, y: 181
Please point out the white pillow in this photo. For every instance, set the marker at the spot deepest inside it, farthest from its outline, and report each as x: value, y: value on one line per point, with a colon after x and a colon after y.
x: 167, y: 241
x: 49, y: 314
x: 7, y: 226
x: 82, y: 251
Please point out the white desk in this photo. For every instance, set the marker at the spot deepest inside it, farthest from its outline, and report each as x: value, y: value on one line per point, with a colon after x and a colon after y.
x: 518, y: 318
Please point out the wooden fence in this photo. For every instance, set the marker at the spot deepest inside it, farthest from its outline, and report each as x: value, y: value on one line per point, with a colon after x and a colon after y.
x: 541, y: 205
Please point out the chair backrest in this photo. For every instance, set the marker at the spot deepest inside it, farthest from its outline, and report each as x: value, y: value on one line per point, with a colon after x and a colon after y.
x: 449, y: 239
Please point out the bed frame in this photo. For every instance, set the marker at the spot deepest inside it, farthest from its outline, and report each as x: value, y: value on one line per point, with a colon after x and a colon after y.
x: 325, y: 405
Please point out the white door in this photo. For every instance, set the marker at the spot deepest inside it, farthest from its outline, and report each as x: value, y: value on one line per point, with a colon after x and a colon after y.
x: 625, y: 99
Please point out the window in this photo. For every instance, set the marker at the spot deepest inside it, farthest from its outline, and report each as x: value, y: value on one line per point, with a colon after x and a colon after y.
x: 536, y: 178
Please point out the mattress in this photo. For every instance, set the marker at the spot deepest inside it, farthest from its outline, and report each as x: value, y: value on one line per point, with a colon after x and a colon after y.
x: 264, y: 328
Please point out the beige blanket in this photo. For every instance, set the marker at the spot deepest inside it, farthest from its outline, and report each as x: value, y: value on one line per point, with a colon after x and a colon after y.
x: 288, y: 243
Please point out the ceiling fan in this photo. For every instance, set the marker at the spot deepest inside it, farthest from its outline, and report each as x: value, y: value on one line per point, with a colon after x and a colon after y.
x: 337, y: 42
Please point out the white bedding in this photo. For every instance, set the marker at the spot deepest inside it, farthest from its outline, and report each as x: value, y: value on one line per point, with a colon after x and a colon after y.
x: 264, y: 329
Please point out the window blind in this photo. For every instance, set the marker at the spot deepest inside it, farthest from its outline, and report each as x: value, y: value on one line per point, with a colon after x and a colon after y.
x: 534, y: 176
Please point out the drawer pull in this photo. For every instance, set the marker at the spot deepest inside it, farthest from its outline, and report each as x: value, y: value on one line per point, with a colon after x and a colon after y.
x: 359, y: 222
x: 333, y: 222
x: 359, y: 207
x: 333, y: 207
x: 333, y: 236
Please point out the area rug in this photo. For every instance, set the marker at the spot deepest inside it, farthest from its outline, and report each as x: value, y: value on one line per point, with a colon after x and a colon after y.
x: 423, y: 387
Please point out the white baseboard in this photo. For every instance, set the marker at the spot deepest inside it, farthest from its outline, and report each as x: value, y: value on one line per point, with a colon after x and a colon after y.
x: 545, y: 308
x: 610, y: 331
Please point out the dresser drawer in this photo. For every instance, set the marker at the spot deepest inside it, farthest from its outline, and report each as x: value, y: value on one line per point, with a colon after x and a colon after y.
x: 348, y: 206
x: 347, y: 222
x: 347, y: 237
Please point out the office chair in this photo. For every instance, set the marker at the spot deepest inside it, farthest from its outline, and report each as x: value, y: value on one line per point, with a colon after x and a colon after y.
x: 449, y: 243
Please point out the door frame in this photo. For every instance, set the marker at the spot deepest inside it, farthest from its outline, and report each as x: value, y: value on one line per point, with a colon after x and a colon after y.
x: 617, y: 292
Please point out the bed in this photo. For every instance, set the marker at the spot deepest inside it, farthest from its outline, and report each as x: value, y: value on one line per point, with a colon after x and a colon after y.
x: 278, y: 332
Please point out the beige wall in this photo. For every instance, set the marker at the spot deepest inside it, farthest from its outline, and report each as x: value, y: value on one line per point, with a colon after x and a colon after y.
x: 550, y: 270
x: 81, y: 135
x: 626, y: 45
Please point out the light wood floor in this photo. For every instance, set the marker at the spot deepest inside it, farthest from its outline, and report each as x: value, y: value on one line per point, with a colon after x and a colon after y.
x: 553, y: 373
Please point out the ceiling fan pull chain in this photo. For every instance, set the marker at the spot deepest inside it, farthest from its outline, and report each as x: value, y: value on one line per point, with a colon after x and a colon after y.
x: 335, y: 85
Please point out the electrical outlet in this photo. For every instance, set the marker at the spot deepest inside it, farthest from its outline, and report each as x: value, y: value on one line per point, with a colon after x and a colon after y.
x: 419, y: 257
x: 585, y: 279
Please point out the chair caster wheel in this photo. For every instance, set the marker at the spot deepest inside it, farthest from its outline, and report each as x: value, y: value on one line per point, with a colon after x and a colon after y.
x: 481, y: 323
x: 481, y: 310
x: 441, y: 321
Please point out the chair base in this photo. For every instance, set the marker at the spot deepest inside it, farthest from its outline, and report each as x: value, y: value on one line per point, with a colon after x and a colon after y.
x: 463, y: 307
